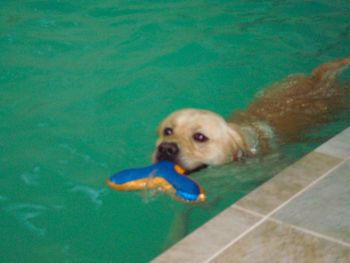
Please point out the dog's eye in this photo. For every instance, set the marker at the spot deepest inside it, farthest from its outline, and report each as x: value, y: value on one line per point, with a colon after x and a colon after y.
x: 168, y: 131
x: 200, y: 137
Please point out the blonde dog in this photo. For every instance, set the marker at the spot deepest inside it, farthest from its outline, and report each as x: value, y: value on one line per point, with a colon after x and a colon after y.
x: 195, y: 138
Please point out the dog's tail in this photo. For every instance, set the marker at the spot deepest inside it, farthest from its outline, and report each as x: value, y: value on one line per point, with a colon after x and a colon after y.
x: 330, y: 71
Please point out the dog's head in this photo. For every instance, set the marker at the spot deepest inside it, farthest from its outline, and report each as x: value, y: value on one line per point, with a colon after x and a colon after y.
x: 195, y: 139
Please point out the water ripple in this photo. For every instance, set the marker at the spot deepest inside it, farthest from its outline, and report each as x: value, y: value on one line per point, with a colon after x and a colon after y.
x: 91, y: 193
x: 31, y: 178
x: 85, y: 157
x: 25, y: 214
x: 3, y: 198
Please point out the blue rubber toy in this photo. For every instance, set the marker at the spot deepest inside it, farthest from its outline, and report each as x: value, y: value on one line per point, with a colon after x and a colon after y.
x: 163, y: 175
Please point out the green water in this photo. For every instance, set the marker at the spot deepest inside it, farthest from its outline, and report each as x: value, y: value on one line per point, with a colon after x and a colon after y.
x: 83, y: 86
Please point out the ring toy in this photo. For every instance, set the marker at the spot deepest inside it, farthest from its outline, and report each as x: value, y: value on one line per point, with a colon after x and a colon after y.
x: 163, y: 175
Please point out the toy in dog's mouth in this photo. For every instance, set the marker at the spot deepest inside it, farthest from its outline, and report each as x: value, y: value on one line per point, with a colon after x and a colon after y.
x: 165, y: 176
x: 169, y: 151
x: 178, y: 162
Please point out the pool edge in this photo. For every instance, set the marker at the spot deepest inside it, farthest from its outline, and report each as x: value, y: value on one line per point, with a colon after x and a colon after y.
x: 239, y: 233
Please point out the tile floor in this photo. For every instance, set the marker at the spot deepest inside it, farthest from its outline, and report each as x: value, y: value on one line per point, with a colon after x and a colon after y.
x: 300, y: 215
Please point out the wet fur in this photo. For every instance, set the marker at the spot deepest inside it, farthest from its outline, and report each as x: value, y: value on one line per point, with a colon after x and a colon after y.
x: 299, y: 102
x: 289, y: 108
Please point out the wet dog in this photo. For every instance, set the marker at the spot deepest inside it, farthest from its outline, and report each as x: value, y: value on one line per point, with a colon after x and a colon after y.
x: 195, y: 138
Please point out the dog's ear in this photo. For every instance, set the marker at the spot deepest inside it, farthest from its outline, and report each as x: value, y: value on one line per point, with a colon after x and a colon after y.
x: 237, y: 143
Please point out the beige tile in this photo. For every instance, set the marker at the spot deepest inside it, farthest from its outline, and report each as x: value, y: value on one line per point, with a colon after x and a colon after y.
x: 325, y: 207
x: 274, y: 242
x: 210, y: 238
x: 287, y: 183
x: 338, y: 146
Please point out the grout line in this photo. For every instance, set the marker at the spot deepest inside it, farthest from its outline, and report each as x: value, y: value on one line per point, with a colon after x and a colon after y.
x: 261, y: 221
x: 313, y: 233
x: 235, y: 239
x: 248, y: 211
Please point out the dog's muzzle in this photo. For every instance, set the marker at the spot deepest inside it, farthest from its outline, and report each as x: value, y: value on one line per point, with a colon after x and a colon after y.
x: 167, y: 151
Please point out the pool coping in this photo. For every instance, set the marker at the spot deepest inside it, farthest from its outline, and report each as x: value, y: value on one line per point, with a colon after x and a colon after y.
x: 240, y: 232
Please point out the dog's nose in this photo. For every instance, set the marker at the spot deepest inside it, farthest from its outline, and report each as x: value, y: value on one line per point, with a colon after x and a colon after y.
x: 167, y: 151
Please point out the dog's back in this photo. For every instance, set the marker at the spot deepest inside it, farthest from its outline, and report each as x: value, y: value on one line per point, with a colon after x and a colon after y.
x: 300, y: 102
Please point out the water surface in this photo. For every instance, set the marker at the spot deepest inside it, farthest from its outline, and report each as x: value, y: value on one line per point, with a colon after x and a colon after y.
x: 83, y: 86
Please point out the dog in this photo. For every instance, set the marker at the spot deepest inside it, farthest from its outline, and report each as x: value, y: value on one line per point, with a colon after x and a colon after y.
x: 282, y: 113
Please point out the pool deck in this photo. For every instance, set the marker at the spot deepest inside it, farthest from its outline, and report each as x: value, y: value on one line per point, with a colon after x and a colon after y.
x: 300, y: 215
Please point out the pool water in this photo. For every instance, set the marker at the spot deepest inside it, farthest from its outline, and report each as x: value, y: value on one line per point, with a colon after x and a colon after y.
x: 83, y: 86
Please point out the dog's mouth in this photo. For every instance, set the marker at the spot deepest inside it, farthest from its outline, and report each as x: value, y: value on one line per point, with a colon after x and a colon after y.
x: 160, y: 157
x: 197, y: 169
x: 169, y: 151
